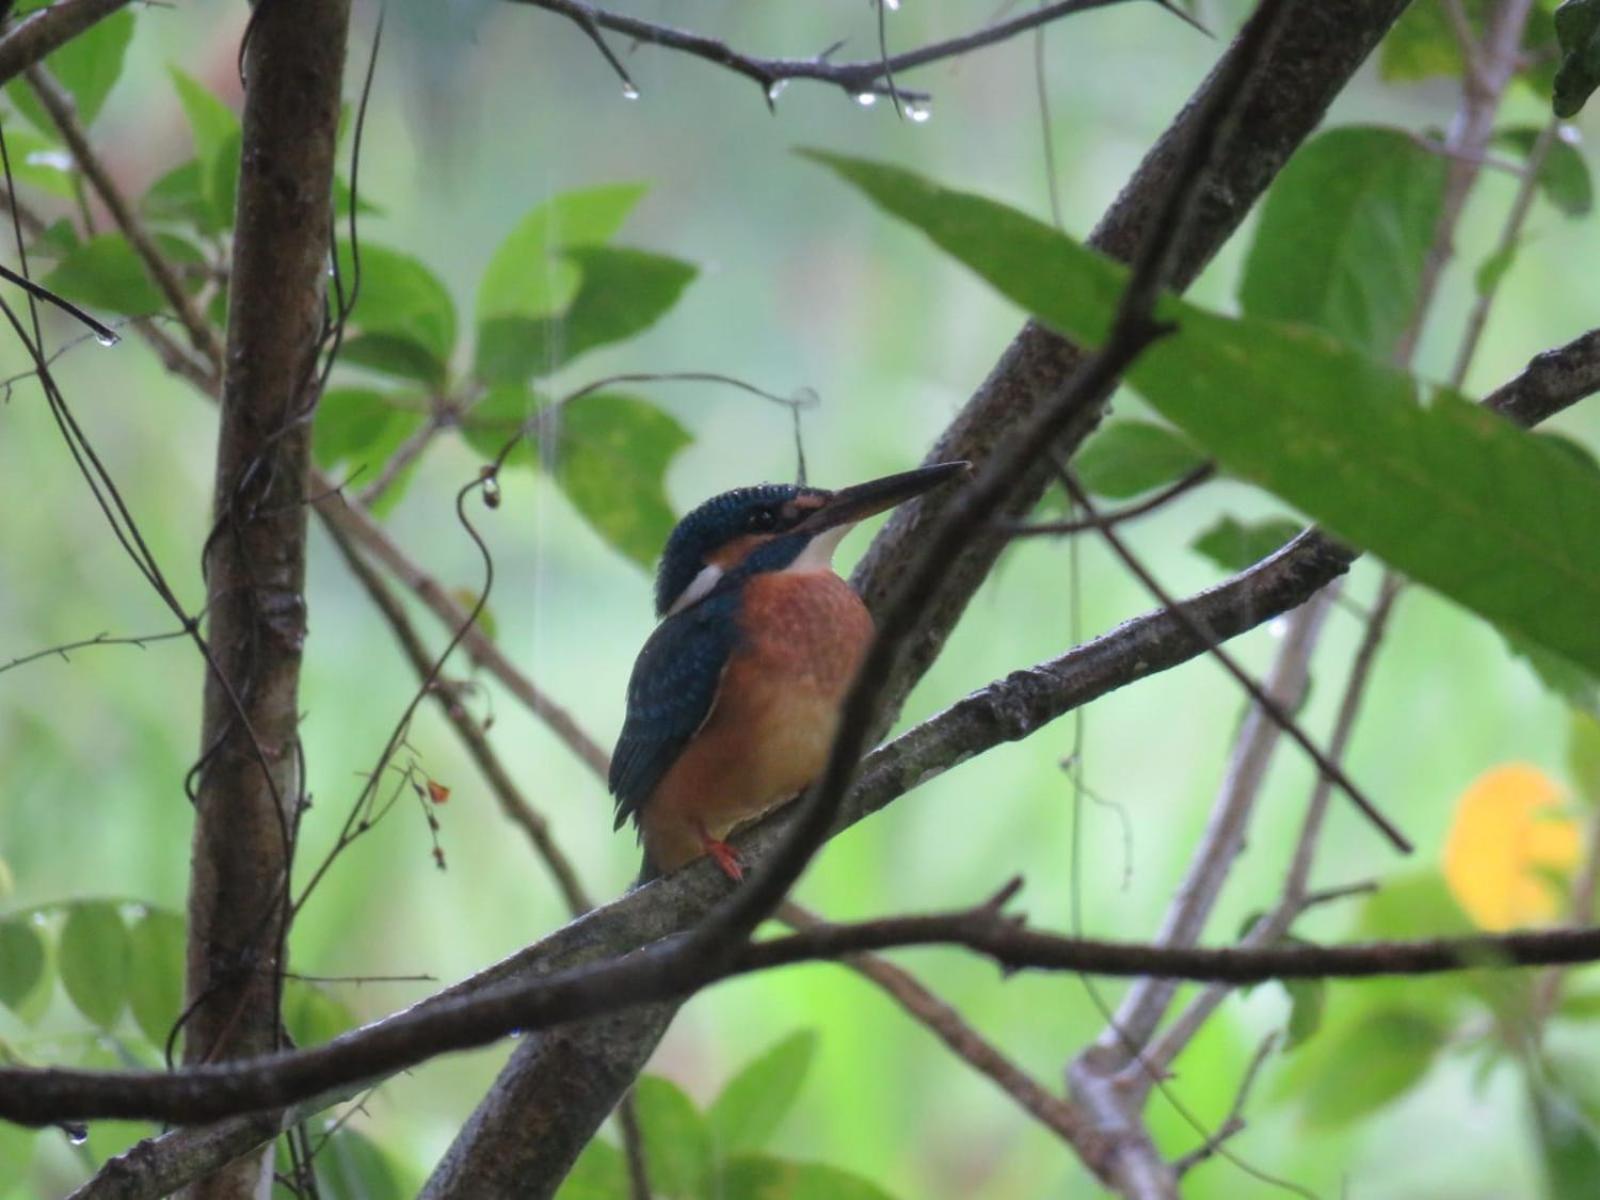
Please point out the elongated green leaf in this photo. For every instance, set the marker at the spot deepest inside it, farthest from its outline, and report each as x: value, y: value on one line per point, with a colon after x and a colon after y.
x: 1234, y: 545
x: 749, y: 1109
x: 92, y: 957
x: 622, y: 292
x: 1563, y: 178
x: 611, y: 462
x: 155, y: 980
x: 1308, y: 998
x: 599, y: 1174
x: 400, y: 302
x: 1423, y: 45
x: 1129, y: 457
x: 211, y: 121
x: 523, y: 278
x: 87, y: 66
x: 1376, y: 1061
x: 1444, y: 490
x: 677, y: 1142
x: 1343, y: 235
x: 22, y: 961
x: 762, y: 1177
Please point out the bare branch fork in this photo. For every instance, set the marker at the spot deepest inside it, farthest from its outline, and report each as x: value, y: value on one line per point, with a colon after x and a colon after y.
x: 869, y: 77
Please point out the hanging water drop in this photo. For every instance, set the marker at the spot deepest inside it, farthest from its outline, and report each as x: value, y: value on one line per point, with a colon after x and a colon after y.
x: 1569, y: 134
x: 106, y: 338
x: 867, y: 99
x: 892, y: 5
x: 776, y: 88
x: 918, y: 112
x: 629, y: 92
x: 76, y: 1134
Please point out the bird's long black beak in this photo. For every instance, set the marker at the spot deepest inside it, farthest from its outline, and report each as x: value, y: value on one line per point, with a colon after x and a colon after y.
x: 852, y: 504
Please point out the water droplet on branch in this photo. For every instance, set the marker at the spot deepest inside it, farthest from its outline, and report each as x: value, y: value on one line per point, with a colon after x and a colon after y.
x: 918, y: 112
x: 629, y: 92
x: 776, y: 88
x: 867, y: 99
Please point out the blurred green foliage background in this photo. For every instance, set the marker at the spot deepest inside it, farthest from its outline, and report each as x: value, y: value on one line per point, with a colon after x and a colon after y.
x: 480, y: 112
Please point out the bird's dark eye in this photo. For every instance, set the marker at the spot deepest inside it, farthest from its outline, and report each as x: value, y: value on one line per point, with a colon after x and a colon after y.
x: 763, y: 518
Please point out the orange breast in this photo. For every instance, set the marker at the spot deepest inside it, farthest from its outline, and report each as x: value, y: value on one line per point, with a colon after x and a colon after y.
x: 770, y: 730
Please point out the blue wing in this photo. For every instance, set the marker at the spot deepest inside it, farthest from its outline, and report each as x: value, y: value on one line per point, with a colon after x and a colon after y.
x: 672, y: 692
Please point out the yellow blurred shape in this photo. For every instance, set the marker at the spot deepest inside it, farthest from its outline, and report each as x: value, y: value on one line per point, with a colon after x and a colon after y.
x: 1509, y: 836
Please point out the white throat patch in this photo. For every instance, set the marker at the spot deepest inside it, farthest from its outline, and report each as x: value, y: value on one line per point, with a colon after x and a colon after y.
x: 818, y: 554
x: 699, y: 586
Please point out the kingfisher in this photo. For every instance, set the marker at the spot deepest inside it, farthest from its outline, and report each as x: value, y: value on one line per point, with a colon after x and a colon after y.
x: 734, y: 699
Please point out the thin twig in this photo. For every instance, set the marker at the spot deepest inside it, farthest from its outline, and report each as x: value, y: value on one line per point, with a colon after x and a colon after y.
x: 1116, y: 516
x: 512, y: 802
x: 1270, y: 706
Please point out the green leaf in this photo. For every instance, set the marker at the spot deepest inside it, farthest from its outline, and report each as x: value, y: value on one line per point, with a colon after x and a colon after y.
x: 599, y: 1174
x: 1234, y: 545
x: 39, y: 163
x: 312, y: 1014
x: 1308, y: 1000
x: 762, y: 1177
x: 1129, y: 457
x: 217, y: 141
x: 399, y: 301
x: 1578, y: 35
x: 753, y: 1103
x: 22, y: 962
x: 1583, y: 756
x: 501, y: 414
x: 87, y: 67
x: 179, y: 195
x: 1563, y: 176
x: 1449, y: 493
x: 522, y: 279
x: 360, y: 426
x: 1568, y: 1141
x: 92, y: 959
x: 611, y: 461
x: 1375, y: 1061
x: 677, y: 1142
x: 622, y: 292
x: 58, y: 240
x: 105, y: 273
x: 155, y: 983
x: 353, y: 1167
x: 1343, y: 235
x: 1421, y: 45
x: 211, y: 121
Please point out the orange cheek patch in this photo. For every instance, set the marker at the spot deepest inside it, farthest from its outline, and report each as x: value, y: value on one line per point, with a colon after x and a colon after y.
x: 735, y: 552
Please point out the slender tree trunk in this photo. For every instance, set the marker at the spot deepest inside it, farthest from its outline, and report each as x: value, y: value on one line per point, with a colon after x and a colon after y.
x: 249, y: 780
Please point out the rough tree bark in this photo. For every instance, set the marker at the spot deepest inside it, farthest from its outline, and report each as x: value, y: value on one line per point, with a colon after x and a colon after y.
x: 249, y: 777
x: 550, y: 1082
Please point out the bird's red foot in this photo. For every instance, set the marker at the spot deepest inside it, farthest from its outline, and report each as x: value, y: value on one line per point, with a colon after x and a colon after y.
x: 726, y: 857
